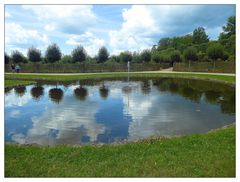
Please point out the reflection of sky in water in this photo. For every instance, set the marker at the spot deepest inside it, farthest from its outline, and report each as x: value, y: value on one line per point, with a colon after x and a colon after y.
x: 131, y: 115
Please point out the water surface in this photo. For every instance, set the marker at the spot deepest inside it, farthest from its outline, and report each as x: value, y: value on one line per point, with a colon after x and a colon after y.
x: 107, y: 111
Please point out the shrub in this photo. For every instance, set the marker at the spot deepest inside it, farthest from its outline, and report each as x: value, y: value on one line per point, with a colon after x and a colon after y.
x: 53, y: 53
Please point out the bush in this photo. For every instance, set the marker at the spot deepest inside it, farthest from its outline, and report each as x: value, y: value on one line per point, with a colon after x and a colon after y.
x: 18, y: 57
x: 190, y: 54
x: 215, y: 51
x: 102, y: 55
x: 79, y: 54
x: 175, y: 56
x: 145, y: 55
x: 125, y: 56
x: 53, y: 53
x: 66, y: 59
x: 34, y: 55
x: 6, y: 58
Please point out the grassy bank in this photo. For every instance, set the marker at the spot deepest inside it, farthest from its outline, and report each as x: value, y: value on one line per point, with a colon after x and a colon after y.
x: 11, y: 83
x: 63, y: 77
x: 211, y: 154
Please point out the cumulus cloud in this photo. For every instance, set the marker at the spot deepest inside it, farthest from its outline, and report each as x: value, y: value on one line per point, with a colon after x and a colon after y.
x: 18, y: 37
x: 144, y: 25
x: 7, y: 14
x: 90, y: 42
x: 67, y: 18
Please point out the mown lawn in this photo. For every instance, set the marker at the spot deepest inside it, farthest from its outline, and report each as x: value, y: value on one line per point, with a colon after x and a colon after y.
x: 11, y: 83
x: 198, y: 155
x: 65, y: 77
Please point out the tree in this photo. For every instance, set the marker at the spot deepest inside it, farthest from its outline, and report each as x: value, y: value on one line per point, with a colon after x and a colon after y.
x: 53, y: 53
x: 34, y: 55
x: 79, y: 54
x: 145, y: 55
x: 200, y: 36
x: 66, y: 59
x: 102, y: 55
x: 6, y: 58
x: 175, y: 56
x: 125, y: 56
x: 164, y: 43
x: 190, y: 54
x: 229, y: 29
x: 17, y: 57
x: 214, y: 52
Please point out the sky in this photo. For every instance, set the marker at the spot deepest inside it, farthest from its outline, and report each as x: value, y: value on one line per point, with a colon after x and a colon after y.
x: 117, y: 27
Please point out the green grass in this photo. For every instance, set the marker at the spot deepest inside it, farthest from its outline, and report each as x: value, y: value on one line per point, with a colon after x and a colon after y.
x: 198, y: 155
x: 11, y: 83
x: 63, y: 77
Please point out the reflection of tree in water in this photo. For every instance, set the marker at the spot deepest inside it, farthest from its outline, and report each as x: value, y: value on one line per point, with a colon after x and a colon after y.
x: 104, y: 91
x: 146, y: 87
x: 191, y: 94
x: 20, y: 90
x: 81, y: 93
x: 56, y: 95
x: 37, y: 92
x: 127, y: 89
x: 212, y: 96
x: 7, y: 90
x: 228, y: 103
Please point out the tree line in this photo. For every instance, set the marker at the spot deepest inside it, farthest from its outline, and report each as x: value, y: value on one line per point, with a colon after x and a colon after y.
x: 191, y: 47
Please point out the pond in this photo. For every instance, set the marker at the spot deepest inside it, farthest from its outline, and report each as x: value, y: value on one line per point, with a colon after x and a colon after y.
x: 115, y: 110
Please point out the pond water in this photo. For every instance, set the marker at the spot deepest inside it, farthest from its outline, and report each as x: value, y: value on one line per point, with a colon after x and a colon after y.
x: 107, y: 111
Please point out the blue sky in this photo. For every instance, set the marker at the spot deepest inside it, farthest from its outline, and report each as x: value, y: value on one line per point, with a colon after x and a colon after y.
x: 117, y: 27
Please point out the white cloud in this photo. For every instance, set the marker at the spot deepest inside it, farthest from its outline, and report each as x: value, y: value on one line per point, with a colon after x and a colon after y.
x: 49, y: 27
x: 7, y: 15
x: 90, y: 42
x: 66, y: 18
x: 17, y: 37
x: 144, y: 25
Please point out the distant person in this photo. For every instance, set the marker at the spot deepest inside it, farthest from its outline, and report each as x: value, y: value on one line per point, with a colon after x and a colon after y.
x: 17, y: 68
x: 13, y: 68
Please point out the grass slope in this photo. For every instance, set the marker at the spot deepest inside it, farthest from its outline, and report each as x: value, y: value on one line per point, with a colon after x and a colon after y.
x: 11, y: 83
x: 211, y: 154
x: 63, y: 77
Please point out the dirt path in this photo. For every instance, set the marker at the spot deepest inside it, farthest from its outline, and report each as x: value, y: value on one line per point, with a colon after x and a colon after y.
x: 168, y: 70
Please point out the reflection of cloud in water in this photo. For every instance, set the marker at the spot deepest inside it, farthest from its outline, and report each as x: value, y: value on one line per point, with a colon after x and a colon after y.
x: 65, y: 124
x: 15, y: 114
x: 11, y: 99
x: 162, y: 115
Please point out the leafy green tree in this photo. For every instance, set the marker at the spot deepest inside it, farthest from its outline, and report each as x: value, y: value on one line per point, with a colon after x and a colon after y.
x: 66, y: 59
x: 125, y: 56
x: 164, y: 43
x: 53, y: 53
x: 200, y: 36
x: 34, y: 54
x: 17, y: 57
x: 190, y: 54
x: 6, y: 58
x: 155, y: 57
x: 103, y: 55
x: 145, y: 55
x: 215, y: 51
x: 79, y: 54
x: 229, y: 29
x: 175, y: 56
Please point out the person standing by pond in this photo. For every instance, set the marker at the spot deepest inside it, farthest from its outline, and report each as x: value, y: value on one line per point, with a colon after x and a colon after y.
x: 17, y: 68
x: 13, y: 68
